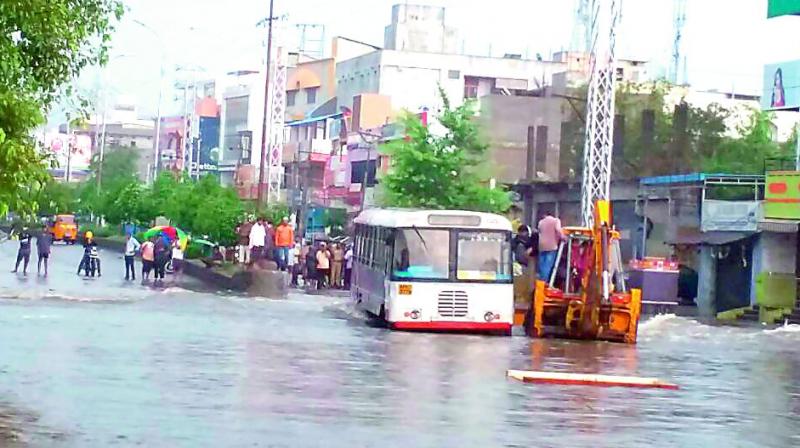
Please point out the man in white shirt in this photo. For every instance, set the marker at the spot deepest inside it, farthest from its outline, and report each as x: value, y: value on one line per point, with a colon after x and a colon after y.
x: 258, y: 237
x: 131, y: 247
x: 348, y: 266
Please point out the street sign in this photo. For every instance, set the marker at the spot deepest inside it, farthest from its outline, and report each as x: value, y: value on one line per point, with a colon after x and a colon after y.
x: 778, y: 8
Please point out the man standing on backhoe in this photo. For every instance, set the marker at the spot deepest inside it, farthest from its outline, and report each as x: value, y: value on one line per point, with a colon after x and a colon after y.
x: 550, y: 236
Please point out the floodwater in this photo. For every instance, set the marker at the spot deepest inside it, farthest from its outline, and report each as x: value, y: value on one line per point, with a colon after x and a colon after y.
x: 104, y: 363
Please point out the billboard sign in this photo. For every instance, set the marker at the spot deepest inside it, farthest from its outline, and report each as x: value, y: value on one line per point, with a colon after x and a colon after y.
x: 209, y: 143
x: 781, y: 86
x: 777, y: 8
x: 81, y: 146
x: 170, y: 142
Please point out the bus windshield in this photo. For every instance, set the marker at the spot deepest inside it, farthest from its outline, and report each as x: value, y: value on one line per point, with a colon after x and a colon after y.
x: 484, y: 256
x: 421, y: 254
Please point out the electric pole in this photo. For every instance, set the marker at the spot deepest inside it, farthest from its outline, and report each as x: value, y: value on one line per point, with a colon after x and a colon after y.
x: 264, y: 136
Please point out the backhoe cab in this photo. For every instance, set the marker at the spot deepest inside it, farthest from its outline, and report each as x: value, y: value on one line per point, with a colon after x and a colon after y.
x: 586, y: 296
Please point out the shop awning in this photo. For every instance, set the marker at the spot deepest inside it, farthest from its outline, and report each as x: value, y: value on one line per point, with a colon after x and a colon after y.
x: 707, y: 238
x: 779, y: 225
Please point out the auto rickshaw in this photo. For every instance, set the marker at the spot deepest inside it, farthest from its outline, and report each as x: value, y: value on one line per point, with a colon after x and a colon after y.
x: 64, y: 228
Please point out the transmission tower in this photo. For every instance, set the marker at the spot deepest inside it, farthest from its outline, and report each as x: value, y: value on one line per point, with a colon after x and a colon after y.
x: 679, y: 20
x: 271, y: 166
x: 600, y: 107
x: 582, y: 26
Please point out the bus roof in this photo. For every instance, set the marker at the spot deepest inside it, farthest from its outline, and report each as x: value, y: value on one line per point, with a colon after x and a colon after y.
x: 406, y: 218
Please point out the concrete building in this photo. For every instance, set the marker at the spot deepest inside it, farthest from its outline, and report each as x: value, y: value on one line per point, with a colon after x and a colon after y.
x: 124, y: 129
x: 310, y: 85
x: 242, y: 112
x: 420, y: 28
x: 412, y: 79
x: 509, y: 122
x: 577, y: 70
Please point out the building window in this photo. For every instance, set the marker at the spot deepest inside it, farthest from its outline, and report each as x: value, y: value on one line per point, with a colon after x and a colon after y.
x: 291, y: 97
x: 470, y: 87
x: 360, y: 169
x: 620, y: 73
x: 453, y: 74
x: 311, y: 95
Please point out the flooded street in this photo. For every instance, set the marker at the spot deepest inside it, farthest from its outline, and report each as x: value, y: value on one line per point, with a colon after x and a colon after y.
x: 105, y: 363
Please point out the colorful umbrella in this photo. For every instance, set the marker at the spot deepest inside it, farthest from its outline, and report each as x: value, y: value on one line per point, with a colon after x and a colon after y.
x: 203, y: 242
x: 172, y: 233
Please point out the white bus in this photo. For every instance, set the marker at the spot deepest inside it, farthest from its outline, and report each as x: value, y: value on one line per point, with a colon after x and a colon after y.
x: 434, y: 270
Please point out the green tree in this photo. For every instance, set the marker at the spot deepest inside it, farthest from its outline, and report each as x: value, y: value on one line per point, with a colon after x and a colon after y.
x: 44, y: 44
x: 441, y: 171
x: 699, y: 141
x: 747, y: 153
x: 56, y: 198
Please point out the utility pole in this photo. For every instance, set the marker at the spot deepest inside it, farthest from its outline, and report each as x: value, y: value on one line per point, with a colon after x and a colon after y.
x: 264, y: 137
x: 69, y: 153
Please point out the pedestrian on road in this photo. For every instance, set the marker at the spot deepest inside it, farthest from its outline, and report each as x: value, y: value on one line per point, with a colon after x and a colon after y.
x: 177, y: 260
x: 295, y: 262
x: 323, y: 266
x: 43, y: 243
x: 257, y: 237
x: 348, y: 267
x: 312, y: 276
x: 148, y: 258
x: 337, y: 264
x: 160, y: 249
x: 24, y: 252
x: 284, y: 242
x: 84, y: 264
x: 131, y: 247
x: 243, y: 234
x: 269, y: 243
x: 550, y: 237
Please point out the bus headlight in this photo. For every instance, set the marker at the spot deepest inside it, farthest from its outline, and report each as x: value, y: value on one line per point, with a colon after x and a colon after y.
x: 490, y: 316
x: 415, y: 314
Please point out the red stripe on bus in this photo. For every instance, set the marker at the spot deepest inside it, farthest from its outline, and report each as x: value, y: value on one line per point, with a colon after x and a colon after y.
x: 452, y: 326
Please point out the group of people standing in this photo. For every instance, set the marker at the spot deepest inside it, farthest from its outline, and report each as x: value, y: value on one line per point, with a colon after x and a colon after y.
x: 260, y: 240
x: 326, y: 265
x: 156, y: 253
x: 43, y: 243
x: 320, y: 265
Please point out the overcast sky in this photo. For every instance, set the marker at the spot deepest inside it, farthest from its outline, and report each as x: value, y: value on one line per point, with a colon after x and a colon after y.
x: 726, y: 42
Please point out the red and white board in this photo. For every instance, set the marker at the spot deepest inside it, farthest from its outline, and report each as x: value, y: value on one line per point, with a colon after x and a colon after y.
x: 579, y: 379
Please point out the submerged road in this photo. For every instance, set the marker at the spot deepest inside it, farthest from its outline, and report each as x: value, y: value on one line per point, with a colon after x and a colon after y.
x: 107, y: 363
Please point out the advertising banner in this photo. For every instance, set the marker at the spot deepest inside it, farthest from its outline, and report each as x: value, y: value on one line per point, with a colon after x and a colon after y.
x: 777, y: 8
x: 209, y: 143
x: 170, y: 142
x: 81, y: 146
x: 781, y: 86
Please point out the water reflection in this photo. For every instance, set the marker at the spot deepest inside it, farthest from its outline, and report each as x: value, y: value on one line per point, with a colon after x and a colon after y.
x: 197, y: 369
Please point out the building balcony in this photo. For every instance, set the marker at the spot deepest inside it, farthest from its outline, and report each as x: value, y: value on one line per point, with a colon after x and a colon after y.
x: 316, y: 149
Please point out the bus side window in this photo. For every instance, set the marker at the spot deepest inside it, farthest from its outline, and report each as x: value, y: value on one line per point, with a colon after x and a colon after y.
x: 371, y: 246
x: 388, y: 245
x: 380, y: 245
x: 356, y: 242
x: 360, y: 244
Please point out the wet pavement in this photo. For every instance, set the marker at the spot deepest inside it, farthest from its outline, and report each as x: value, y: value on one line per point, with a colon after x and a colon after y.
x: 107, y: 363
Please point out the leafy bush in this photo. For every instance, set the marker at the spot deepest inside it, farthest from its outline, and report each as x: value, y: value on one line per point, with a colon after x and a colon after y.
x: 441, y: 171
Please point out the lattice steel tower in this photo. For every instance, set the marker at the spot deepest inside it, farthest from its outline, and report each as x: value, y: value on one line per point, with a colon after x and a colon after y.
x: 600, y: 107
x: 679, y: 20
